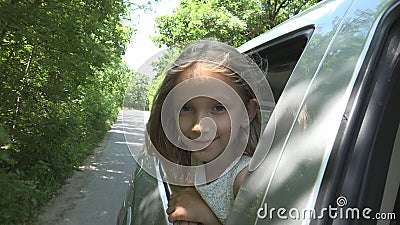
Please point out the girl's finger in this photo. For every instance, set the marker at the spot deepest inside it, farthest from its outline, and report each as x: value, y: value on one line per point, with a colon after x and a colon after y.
x: 170, y: 210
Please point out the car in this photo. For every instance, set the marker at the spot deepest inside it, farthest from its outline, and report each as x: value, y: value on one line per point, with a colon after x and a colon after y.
x: 334, y: 70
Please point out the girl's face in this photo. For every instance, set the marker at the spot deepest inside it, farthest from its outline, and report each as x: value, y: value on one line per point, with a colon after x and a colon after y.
x: 211, y: 137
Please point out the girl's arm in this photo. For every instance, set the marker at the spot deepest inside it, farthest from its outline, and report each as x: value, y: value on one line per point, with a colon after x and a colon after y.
x: 239, y: 180
x: 187, y: 205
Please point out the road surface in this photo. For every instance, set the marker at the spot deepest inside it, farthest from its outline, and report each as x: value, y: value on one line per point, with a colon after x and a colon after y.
x: 94, y: 195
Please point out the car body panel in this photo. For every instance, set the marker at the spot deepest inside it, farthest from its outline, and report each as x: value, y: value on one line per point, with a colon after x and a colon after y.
x: 291, y: 174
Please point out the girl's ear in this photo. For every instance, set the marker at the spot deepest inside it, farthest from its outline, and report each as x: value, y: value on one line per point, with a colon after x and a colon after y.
x: 252, y: 108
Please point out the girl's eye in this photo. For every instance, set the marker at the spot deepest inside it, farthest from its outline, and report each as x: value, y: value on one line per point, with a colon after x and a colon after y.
x: 186, y: 108
x: 218, y: 108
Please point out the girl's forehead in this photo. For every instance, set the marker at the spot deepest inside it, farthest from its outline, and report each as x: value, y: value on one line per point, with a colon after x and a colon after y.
x: 205, y: 83
x: 200, y: 75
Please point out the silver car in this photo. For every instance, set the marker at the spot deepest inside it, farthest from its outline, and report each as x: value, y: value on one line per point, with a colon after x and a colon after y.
x: 335, y: 74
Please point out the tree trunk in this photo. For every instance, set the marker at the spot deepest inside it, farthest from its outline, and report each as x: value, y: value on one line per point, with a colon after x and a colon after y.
x: 20, y: 95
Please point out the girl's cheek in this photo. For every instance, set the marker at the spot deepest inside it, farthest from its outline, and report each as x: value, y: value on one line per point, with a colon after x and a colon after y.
x: 184, y: 124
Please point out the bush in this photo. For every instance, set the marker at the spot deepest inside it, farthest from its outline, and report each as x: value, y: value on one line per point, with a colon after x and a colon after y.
x: 19, y: 198
x: 62, y: 85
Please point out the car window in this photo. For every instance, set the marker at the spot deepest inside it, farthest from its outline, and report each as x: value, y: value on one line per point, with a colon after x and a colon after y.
x: 282, y: 55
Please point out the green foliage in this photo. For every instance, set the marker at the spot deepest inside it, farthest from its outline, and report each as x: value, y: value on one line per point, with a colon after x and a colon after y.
x: 18, y: 198
x: 63, y: 83
x: 160, y: 67
x: 233, y: 22
x: 229, y: 21
x: 165, y: 61
x: 136, y: 96
x: 154, y: 87
x: 4, y: 139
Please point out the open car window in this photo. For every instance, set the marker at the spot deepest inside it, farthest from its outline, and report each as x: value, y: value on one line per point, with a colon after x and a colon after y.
x: 281, y: 56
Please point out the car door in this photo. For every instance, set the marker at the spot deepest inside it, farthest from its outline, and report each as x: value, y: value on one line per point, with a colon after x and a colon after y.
x: 363, y: 169
x: 306, y: 171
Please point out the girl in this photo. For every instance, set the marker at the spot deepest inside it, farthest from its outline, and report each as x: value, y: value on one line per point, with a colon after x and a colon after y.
x: 205, y: 114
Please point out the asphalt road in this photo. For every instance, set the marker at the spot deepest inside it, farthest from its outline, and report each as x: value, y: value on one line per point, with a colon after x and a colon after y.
x: 94, y: 195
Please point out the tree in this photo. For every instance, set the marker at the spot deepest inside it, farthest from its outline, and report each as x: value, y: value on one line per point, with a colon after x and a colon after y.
x: 229, y: 21
x: 233, y: 22
x: 62, y: 84
x: 136, y: 96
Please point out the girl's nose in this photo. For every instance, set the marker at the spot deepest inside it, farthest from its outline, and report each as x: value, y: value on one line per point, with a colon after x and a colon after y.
x: 196, y: 128
x: 200, y: 124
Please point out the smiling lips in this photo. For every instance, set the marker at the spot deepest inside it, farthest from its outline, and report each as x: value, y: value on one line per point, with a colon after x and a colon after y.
x: 204, y: 142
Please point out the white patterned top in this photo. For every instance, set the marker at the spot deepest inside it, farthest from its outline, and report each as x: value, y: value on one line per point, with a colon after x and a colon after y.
x: 219, y: 194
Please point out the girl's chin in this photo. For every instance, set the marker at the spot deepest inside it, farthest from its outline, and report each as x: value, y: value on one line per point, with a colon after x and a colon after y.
x: 201, y: 157
x: 204, y: 157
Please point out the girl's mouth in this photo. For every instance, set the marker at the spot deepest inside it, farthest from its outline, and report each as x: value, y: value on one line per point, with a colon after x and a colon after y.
x: 203, y: 143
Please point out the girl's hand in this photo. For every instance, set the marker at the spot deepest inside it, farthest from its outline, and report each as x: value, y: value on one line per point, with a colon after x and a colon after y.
x: 187, y: 207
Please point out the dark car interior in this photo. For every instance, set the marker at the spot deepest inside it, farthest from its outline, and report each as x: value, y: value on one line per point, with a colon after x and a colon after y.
x: 281, y: 56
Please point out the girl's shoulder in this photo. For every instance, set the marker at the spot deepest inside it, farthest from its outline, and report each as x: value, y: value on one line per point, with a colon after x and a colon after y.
x: 243, y: 162
x: 219, y: 194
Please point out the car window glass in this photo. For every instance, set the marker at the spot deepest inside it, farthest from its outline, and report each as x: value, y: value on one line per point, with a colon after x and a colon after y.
x: 282, y: 55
